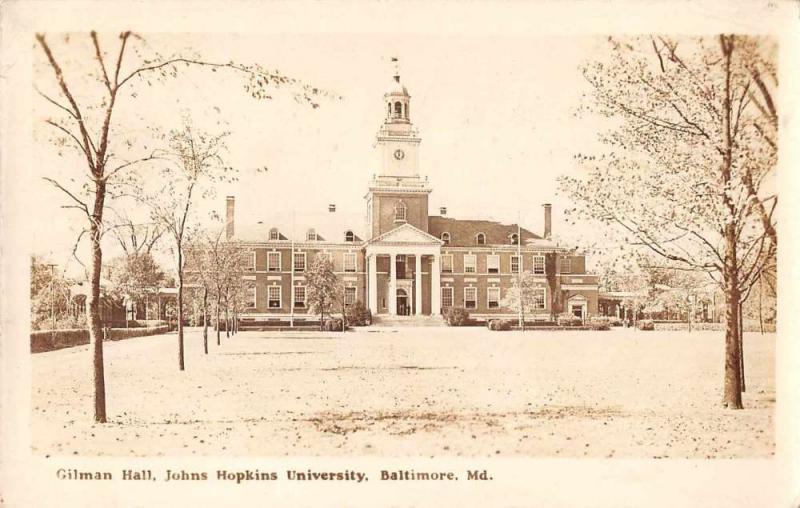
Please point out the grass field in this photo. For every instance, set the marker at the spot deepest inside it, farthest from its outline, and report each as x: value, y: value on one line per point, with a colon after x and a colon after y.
x: 410, y: 392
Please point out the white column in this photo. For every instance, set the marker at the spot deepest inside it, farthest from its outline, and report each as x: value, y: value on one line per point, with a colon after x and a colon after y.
x: 373, y: 283
x: 436, y: 286
x: 418, y: 284
x: 393, y: 284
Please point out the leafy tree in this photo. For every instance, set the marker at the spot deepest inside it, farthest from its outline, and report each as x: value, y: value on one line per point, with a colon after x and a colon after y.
x: 137, y: 276
x: 522, y: 295
x: 83, y: 98
x: 688, y: 162
x: 200, y: 273
x: 51, y: 302
x: 323, y: 288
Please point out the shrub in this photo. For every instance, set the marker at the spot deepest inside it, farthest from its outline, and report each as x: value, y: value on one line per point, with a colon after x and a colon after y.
x: 456, y: 316
x: 47, y: 340
x: 332, y: 325
x: 358, y: 315
x: 500, y: 325
x: 646, y: 325
x: 569, y: 320
x: 130, y: 333
x: 599, y: 326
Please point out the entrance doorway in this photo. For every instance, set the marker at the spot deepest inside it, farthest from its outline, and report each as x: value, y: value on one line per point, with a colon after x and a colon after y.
x: 403, y: 308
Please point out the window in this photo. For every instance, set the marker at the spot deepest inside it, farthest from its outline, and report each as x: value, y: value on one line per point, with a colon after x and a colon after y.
x: 446, y: 238
x: 493, y: 298
x: 311, y: 235
x: 566, y: 265
x: 250, y: 296
x: 514, y: 264
x: 398, y: 108
x: 274, y: 297
x: 538, y: 264
x: 349, y: 295
x: 447, y: 263
x: 514, y: 239
x: 493, y: 263
x: 332, y: 207
x: 470, y: 260
x: 470, y: 298
x: 480, y: 239
x: 300, y: 296
x: 273, y: 234
x: 400, y: 212
x: 299, y: 262
x: 442, y: 210
x: 252, y: 265
x: 349, y: 236
x: 273, y: 261
x: 447, y: 297
x: 538, y: 298
x: 350, y: 262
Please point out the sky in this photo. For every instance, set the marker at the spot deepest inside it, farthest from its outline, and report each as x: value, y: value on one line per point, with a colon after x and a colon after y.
x: 497, y: 118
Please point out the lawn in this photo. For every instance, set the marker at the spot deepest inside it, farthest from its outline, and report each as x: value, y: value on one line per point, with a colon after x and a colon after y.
x: 410, y: 392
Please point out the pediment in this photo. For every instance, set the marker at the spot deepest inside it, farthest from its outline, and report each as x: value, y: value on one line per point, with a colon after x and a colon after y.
x: 406, y: 234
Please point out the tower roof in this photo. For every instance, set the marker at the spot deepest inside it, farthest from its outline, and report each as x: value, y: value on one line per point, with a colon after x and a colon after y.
x: 396, y: 88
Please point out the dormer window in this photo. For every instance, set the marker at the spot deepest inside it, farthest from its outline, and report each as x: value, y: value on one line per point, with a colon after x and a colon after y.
x: 446, y: 238
x: 400, y: 212
x: 480, y: 239
x: 514, y: 239
x: 273, y: 234
x: 311, y: 236
x: 349, y: 236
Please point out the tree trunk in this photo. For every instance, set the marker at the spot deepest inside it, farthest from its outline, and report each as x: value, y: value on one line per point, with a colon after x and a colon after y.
x: 741, y: 347
x: 205, y: 319
x: 227, y: 323
x: 180, y: 310
x: 217, y: 320
x: 760, y: 300
x: 95, y: 323
x: 732, y: 397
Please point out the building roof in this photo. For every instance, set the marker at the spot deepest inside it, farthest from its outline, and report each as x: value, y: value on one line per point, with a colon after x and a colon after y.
x: 330, y: 227
x: 463, y: 231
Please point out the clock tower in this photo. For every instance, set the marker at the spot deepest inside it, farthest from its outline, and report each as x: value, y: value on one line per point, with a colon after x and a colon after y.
x: 397, y: 194
x: 398, y: 139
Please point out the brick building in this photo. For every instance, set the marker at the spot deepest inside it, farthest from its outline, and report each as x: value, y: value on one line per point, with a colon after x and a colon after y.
x: 404, y: 261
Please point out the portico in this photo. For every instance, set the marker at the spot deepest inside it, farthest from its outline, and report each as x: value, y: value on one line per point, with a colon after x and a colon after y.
x: 410, y: 284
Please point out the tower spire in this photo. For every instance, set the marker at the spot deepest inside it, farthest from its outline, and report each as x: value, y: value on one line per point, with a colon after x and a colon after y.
x: 396, y: 63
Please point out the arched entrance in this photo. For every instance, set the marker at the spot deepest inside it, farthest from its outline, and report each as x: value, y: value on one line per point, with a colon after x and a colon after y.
x: 403, y: 307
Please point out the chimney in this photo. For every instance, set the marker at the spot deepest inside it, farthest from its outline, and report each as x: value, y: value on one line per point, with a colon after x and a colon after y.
x: 548, y: 221
x: 230, y: 203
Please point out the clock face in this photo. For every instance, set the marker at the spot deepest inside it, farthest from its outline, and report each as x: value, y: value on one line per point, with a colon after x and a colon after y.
x: 399, y: 154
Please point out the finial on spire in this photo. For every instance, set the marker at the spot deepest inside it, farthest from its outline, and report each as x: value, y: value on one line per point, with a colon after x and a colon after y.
x: 396, y: 63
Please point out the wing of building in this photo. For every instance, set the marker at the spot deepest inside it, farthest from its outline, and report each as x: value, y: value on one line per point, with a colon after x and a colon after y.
x: 404, y: 261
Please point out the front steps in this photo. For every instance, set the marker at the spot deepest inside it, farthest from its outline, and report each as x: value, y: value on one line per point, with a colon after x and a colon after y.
x: 386, y: 320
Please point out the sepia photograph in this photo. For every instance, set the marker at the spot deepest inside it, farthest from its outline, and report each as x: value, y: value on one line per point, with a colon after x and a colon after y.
x: 448, y: 250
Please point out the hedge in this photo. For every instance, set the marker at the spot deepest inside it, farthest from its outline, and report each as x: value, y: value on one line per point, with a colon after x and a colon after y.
x: 749, y: 326
x: 48, y: 340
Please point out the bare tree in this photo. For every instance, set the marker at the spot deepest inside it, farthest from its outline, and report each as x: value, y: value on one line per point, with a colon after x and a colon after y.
x: 83, y: 118
x: 686, y: 170
x: 192, y: 165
